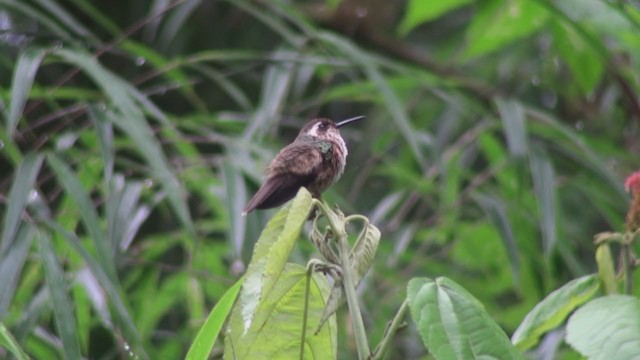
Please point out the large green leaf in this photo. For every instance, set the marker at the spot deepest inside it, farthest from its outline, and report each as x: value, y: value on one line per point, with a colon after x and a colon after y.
x: 208, y: 333
x: 582, y: 59
x: 501, y: 22
x: 606, y: 328
x: 271, y: 253
x: 421, y: 11
x: 453, y: 324
x: 553, y: 310
x: 279, y: 324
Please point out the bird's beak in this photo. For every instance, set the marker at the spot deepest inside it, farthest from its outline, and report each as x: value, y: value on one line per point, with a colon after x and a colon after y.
x: 345, y: 122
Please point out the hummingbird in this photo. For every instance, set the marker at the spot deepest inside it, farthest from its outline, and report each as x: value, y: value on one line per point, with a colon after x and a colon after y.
x: 315, y: 160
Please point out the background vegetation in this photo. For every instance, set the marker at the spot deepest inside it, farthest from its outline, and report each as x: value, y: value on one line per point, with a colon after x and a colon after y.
x: 497, y: 138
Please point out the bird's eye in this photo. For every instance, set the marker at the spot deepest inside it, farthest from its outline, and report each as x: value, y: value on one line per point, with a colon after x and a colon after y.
x: 322, y: 126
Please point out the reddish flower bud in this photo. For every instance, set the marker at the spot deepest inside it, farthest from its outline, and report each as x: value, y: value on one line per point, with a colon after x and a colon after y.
x: 632, y: 184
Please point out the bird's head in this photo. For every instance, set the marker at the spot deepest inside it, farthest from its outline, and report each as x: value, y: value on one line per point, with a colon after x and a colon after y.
x: 323, y: 128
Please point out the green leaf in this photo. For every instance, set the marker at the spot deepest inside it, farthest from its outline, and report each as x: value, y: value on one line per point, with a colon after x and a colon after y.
x: 104, y: 129
x: 275, y: 88
x: 389, y: 97
x: 453, y: 324
x: 495, y: 210
x: 543, y: 177
x: 606, y: 269
x: 584, y: 63
x: 23, y: 183
x: 23, y: 76
x: 8, y: 342
x: 271, y: 253
x: 513, y: 121
x: 278, y: 326
x: 606, y: 328
x: 62, y: 305
x: 420, y: 11
x: 236, y: 198
x: 90, y: 219
x: 501, y: 22
x: 111, y: 288
x: 11, y: 267
x: 553, y: 310
x: 208, y: 333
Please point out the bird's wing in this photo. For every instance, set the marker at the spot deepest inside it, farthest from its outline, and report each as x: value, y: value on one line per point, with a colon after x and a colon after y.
x: 286, y: 175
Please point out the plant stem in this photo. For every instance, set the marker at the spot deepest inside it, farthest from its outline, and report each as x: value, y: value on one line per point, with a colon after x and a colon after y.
x: 627, y: 268
x: 381, y: 349
x: 338, y: 228
x: 304, y: 313
x: 352, y: 299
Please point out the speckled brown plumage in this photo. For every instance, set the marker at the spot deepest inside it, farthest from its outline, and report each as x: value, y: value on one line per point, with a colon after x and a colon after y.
x: 315, y: 160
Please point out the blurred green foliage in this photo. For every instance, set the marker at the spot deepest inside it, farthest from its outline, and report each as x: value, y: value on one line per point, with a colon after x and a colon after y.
x: 497, y: 135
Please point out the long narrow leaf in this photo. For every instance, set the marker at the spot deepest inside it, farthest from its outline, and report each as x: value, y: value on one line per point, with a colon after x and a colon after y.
x: 88, y: 213
x: 130, y: 118
x: 544, y: 187
x: 119, y: 310
x: 8, y: 342
x: 18, y: 196
x: 62, y: 305
x: 208, y: 333
x: 11, y: 267
x: 23, y: 76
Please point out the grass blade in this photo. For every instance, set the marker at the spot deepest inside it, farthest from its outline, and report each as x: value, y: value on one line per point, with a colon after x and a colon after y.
x: 88, y: 213
x: 62, y: 305
x: 130, y: 118
x: 389, y: 97
x: 26, y: 68
x: 11, y: 267
x: 8, y: 342
x: 544, y: 188
x: 119, y: 311
x: 22, y: 185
